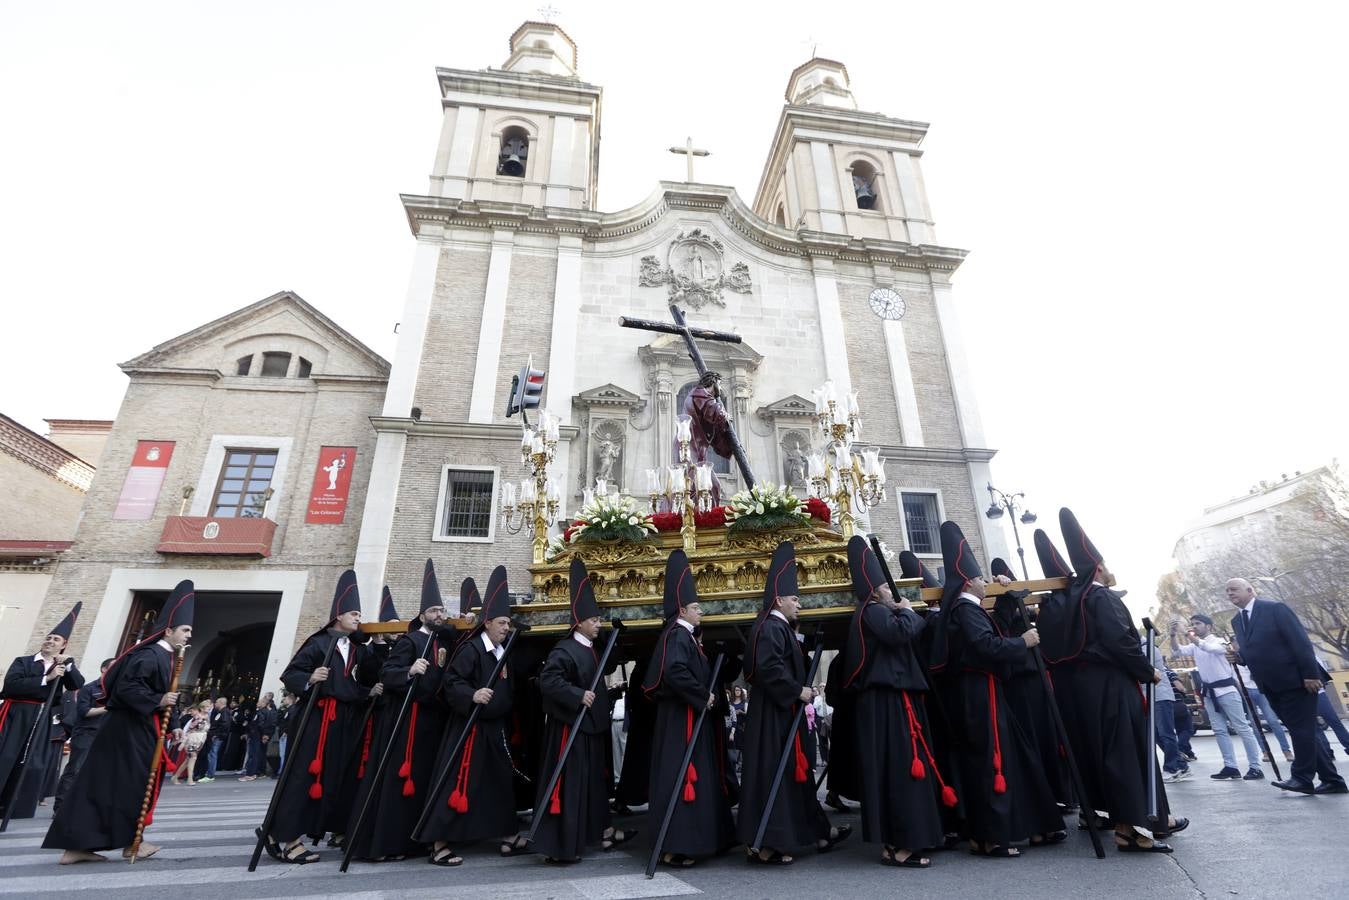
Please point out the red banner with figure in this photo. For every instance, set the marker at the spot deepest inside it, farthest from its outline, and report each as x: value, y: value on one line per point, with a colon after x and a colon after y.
x: 332, y: 481
x: 140, y: 490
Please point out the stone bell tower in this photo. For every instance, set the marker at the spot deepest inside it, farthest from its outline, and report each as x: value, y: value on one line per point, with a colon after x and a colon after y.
x: 528, y: 132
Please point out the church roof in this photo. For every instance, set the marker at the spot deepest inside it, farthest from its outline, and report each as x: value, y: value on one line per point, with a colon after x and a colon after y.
x: 159, y: 356
x: 45, y: 455
x: 814, y: 60
x: 529, y: 23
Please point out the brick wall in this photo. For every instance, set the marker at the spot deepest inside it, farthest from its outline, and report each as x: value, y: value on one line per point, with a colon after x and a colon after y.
x: 445, y: 380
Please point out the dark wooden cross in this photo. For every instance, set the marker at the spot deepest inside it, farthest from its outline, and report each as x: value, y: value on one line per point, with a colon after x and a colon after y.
x: 681, y: 328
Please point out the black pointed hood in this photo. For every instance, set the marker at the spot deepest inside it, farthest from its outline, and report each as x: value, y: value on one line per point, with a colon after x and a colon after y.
x: 865, y: 568
x: 958, y: 559
x: 497, y: 603
x: 67, y: 625
x: 999, y: 567
x: 680, y: 590
x: 781, y: 577
x: 583, y: 603
x: 387, y: 613
x: 1086, y: 559
x: 346, y: 596
x: 430, y: 588
x: 469, y: 598
x: 177, y: 611
x: 910, y: 566
x: 1051, y: 561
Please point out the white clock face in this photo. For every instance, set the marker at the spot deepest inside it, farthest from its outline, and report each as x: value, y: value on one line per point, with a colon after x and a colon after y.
x: 886, y: 303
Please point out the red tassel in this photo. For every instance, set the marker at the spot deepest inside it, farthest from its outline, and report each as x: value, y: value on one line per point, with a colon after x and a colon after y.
x: 405, y: 769
x: 997, y: 760
x: 689, y: 793
x: 801, y: 769
x: 316, y: 766
x: 917, y: 770
x: 999, y: 784
x: 454, y: 799
x: 461, y: 806
x: 948, y: 796
x: 692, y: 774
x: 555, y: 805
x: 408, y: 788
x: 316, y: 791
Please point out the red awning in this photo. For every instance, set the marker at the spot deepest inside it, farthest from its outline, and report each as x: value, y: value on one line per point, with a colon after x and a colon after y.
x: 33, y: 548
x: 217, y: 537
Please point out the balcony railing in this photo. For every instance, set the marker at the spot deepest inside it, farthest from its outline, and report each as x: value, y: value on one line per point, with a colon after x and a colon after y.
x: 204, y: 535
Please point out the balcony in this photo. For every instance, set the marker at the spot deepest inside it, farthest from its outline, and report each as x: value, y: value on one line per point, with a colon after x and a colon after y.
x: 207, y: 536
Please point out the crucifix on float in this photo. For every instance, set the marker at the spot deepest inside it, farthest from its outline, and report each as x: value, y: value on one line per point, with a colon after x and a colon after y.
x: 681, y: 328
x: 688, y: 152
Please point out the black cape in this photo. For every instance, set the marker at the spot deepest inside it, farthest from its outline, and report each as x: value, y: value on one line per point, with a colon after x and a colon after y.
x: 777, y: 676
x: 1026, y: 696
x: 576, y: 814
x: 25, y: 696
x: 678, y: 678
x: 900, y: 777
x: 478, y: 799
x: 634, y: 781
x: 105, y: 800
x: 845, y: 777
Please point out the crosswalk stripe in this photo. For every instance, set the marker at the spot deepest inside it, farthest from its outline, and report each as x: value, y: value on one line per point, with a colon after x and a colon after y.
x: 603, y: 887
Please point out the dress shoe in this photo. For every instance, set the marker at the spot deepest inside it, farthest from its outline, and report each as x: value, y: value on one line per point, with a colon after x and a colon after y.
x: 1297, y: 787
x: 1288, y: 755
x: 1332, y: 787
x: 1253, y: 775
x: 1226, y: 773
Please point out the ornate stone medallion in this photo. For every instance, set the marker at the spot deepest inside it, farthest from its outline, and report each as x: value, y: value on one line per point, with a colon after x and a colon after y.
x: 694, y: 270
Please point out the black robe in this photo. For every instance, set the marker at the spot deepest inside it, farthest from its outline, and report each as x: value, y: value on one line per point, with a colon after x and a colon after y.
x: 387, y: 830
x: 845, y: 778
x: 478, y: 799
x: 901, y: 793
x: 105, y: 800
x: 1103, y: 684
x: 678, y: 680
x: 990, y: 734
x: 634, y: 781
x: 943, y: 707
x: 85, y: 728
x: 1026, y: 695
x: 577, y: 812
x: 776, y: 669
x: 338, y: 709
x: 25, y: 697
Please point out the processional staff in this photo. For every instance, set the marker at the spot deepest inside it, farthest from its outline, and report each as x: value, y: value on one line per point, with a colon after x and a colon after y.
x: 157, y: 760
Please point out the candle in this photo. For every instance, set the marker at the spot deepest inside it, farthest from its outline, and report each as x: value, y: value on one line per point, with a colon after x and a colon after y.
x: 537, y: 446
x: 871, y: 464
x: 552, y: 491
x: 842, y: 457
x: 527, y: 439
x: 508, y: 495
x: 852, y: 403
x: 821, y: 403
x: 675, y: 480
x: 551, y: 428
x: 587, y: 498
x: 653, y: 485
x: 703, y: 477
x: 527, y: 493
x: 684, y: 429
x: 601, y: 487
x: 815, y: 466
x: 840, y: 413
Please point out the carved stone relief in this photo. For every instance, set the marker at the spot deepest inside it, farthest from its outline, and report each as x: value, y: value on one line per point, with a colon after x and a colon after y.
x: 694, y: 270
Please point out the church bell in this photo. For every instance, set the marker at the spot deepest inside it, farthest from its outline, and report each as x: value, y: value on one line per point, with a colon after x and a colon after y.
x: 866, y: 197
x: 514, y: 152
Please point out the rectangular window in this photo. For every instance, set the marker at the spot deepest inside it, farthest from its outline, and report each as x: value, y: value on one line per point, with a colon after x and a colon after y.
x: 275, y: 365
x: 922, y: 522
x: 304, y: 369
x: 245, y: 480
x: 245, y: 363
x: 465, y: 508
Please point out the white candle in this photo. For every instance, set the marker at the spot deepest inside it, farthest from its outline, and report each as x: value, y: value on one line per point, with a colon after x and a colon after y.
x: 684, y: 429
x: 815, y: 466
x: 601, y: 487
x: 842, y: 457
x: 537, y: 446
x: 552, y: 490
x: 551, y: 428
x: 821, y: 404
x: 508, y: 495
x: 675, y: 480
x: 527, y: 439
x: 852, y: 403
x: 840, y: 413
x: 527, y: 493
x: 703, y: 477
x: 587, y: 498
x: 653, y: 485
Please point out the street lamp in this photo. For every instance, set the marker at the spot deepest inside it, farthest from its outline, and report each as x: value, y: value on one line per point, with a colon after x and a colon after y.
x: 1272, y: 579
x: 1000, y: 502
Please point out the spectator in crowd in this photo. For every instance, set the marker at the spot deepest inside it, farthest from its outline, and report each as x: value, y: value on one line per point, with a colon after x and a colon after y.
x: 1174, y: 766
x: 283, y: 722
x: 824, y: 722
x: 218, y: 732
x: 1260, y: 708
x: 1184, y: 718
x: 195, y: 730
x: 260, y: 728
x: 735, y: 725
x: 1273, y: 643
x: 1222, y: 700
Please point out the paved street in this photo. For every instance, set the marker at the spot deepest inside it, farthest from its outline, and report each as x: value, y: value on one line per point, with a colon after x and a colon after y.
x: 1247, y: 840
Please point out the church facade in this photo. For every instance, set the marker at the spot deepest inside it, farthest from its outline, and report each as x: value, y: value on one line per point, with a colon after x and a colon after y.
x: 831, y: 272
x: 263, y: 453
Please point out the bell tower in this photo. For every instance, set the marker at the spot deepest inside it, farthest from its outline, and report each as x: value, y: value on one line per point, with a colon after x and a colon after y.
x: 528, y: 132
x: 837, y: 169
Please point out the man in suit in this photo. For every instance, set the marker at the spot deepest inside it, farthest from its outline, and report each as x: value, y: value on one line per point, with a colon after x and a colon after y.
x: 1273, y: 643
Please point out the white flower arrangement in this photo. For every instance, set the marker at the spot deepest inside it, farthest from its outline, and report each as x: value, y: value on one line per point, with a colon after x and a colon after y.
x: 764, y: 507
x: 611, y: 516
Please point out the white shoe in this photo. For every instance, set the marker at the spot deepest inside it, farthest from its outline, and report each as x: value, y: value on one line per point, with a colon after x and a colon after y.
x: 1172, y: 777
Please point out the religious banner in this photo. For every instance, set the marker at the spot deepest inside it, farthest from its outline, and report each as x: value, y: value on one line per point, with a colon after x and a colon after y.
x: 332, y: 481
x: 140, y: 490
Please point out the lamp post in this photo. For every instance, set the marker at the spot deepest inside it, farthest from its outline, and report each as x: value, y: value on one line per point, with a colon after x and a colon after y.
x: 537, y: 503
x: 1000, y: 502
x: 1272, y: 579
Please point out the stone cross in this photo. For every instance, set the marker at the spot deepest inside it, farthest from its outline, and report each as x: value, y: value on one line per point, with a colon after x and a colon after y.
x: 688, y: 152
x: 547, y: 12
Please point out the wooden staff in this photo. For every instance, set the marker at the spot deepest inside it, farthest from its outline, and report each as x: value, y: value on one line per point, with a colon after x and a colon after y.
x: 157, y: 761
x: 44, y: 715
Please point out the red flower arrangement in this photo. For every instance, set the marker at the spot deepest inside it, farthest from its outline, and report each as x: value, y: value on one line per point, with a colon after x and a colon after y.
x: 672, y: 521
x: 818, y: 509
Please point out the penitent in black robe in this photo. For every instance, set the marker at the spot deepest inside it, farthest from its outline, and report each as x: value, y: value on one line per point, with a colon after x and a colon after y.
x: 314, y: 804
x: 845, y: 778
x: 24, y: 702
x: 478, y: 799
x: 1003, y: 803
x: 678, y: 678
x: 577, y: 812
x: 634, y: 780
x: 1026, y: 695
x: 901, y: 778
x: 410, y: 771
x: 777, y: 675
x: 1103, y: 684
x: 104, y: 802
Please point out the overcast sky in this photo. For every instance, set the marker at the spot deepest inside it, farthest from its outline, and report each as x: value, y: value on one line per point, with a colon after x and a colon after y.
x: 1154, y: 199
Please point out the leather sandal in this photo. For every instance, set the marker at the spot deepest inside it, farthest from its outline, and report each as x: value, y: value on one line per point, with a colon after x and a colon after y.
x: 445, y: 857
x: 299, y: 855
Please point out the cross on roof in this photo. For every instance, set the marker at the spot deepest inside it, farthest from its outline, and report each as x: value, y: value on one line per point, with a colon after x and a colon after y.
x: 688, y: 153
x: 547, y: 11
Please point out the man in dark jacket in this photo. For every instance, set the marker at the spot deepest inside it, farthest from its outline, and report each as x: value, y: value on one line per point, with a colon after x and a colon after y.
x: 1273, y: 643
x: 260, y: 728
x: 89, y: 715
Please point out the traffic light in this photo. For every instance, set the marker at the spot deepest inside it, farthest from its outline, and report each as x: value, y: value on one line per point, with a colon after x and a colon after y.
x: 526, y: 390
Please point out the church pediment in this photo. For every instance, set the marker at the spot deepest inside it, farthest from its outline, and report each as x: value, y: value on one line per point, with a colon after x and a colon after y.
x: 670, y: 347
x: 608, y: 395
x: 794, y: 406
x: 285, y: 319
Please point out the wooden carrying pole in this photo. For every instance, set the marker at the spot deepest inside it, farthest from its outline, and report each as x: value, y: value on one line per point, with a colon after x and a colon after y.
x: 157, y: 761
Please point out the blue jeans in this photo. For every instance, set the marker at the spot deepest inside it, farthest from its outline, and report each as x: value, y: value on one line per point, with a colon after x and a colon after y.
x: 213, y: 755
x: 1327, y: 712
x: 281, y: 752
x: 1184, y: 727
x: 1228, y: 711
x: 1165, y: 715
x: 256, y: 762
x: 1265, y: 711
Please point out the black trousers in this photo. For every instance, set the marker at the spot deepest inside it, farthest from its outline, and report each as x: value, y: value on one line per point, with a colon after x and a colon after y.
x: 1297, y: 710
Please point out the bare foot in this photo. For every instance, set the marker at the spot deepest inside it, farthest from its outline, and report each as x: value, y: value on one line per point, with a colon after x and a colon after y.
x: 70, y: 857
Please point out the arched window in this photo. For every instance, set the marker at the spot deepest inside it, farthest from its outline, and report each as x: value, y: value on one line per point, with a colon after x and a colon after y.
x: 865, y: 187
x: 514, y: 152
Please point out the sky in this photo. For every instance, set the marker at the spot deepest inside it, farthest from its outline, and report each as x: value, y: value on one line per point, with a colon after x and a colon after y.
x: 1153, y: 196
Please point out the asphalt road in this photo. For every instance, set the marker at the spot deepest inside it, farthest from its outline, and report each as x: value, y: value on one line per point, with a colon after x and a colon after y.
x: 1248, y: 840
